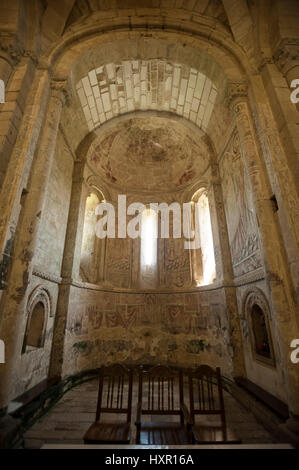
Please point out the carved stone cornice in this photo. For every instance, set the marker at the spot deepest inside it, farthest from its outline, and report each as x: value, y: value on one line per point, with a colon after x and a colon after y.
x: 235, y: 91
x: 286, y: 54
x: 47, y: 276
x: 250, y: 277
x: 10, y: 48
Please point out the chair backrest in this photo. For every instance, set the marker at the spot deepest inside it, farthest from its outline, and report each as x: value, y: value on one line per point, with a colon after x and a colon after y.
x: 160, y: 391
x: 205, y: 392
x: 115, y: 391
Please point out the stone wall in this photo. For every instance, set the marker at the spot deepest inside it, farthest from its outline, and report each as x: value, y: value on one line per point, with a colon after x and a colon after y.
x: 269, y: 377
x: 185, y: 329
x: 33, y: 365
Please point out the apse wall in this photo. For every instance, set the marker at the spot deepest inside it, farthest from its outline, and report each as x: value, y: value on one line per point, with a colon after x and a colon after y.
x: 182, y: 329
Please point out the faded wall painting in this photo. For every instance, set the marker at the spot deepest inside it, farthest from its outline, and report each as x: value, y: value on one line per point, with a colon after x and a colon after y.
x: 239, y: 208
x: 184, y: 329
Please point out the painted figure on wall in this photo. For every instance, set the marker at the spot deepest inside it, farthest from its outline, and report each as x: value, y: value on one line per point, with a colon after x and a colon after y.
x: 242, y: 226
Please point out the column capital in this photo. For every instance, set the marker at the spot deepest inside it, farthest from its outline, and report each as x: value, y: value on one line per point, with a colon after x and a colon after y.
x: 10, y: 48
x: 59, y: 90
x: 236, y: 91
x: 286, y: 54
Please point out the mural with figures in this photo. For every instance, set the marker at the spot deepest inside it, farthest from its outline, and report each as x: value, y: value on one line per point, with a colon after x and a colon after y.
x: 239, y: 208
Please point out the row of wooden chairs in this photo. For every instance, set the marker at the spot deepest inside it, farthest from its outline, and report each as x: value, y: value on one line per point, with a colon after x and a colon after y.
x: 161, y: 396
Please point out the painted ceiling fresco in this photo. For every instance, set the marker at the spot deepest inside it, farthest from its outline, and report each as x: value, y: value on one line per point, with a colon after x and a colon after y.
x: 149, y: 154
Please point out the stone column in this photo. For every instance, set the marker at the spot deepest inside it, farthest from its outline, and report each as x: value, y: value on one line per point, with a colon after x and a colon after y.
x: 70, y: 265
x: 223, y: 256
x: 13, y: 300
x: 275, y: 269
x: 12, y: 193
x: 281, y: 156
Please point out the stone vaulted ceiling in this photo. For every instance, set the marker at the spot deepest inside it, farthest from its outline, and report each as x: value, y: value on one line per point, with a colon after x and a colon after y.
x: 131, y: 85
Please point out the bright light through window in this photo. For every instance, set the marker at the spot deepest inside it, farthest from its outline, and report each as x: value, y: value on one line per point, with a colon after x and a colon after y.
x: 206, y: 237
x: 149, y: 233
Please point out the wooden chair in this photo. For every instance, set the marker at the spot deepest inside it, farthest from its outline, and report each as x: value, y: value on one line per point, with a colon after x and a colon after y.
x: 115, y: 396
x: 160, y: 394
x: 206, y: 401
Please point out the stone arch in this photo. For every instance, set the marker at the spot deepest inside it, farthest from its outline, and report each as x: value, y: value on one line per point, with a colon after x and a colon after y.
x: 89, y: 241
x: 257, y: 314
x: 203, y: 258
x: 39, y: 309
x: 205, y: 37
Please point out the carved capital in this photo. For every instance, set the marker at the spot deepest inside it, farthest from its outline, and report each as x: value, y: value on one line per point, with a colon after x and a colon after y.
x: 236, y: 92
x: 287, y: 54
x: 264, y: 61
x: 10, y: 48
x: 59, y: 90
x: 32, y: 56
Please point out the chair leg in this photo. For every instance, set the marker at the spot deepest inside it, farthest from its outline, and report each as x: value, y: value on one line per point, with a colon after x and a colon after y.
x: 137, y: 435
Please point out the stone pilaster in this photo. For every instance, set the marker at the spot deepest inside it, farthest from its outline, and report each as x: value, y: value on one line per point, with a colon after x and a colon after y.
x: 70, y: 265
x: 20, y: 160
x: 224, y: 258
x: 274, y: 262
x: 281, y: 158
x: 13, y: 300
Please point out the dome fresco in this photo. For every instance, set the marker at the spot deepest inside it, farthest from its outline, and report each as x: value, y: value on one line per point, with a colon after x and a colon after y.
x: 149, y: 154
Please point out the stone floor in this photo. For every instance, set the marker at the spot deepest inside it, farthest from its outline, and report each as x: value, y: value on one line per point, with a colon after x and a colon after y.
x: 70, y: 418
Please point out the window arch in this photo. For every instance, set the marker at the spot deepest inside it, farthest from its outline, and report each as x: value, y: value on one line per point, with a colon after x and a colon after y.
x: 149, y: 246
x: 261, y: 335
x: 35, y: 329
x: 39, y: 309
x: 203, y: 258
x: 257, y: 313
x: 88, y: 259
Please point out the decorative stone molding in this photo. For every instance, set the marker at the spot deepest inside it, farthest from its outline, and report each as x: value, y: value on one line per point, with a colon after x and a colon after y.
x: 94, y: 181
x: 254, y: 295
x: 47, y: 276
x: 235, y: 91
x: 40, y: 294
x: 286, y: 54
x: 250, y: 277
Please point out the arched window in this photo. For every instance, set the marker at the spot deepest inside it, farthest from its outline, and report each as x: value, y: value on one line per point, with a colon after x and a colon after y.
x: 88, y: 261
x: 149, y: 246
x: 203, y: 259
x: 35, y: 330
x: 260, y: 332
